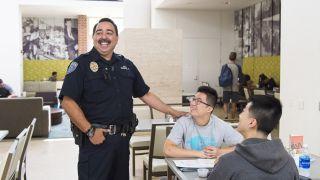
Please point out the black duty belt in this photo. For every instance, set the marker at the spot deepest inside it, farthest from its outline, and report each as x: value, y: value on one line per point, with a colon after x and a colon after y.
x: 113, y: 129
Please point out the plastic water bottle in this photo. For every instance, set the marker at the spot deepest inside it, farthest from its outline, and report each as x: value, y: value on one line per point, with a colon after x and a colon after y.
x: 304, y: 162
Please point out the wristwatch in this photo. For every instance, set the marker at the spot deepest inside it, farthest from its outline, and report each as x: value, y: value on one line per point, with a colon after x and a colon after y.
x: 91, y: 131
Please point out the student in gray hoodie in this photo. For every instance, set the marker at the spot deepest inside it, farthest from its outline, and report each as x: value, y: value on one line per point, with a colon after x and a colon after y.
x: 257, y: 157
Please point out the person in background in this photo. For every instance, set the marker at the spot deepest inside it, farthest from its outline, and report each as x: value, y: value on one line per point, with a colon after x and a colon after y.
x: 231, y: 93
x: 5, y: 90
x: 53, y: 76
x: 257, y: 157
x: 97, y: 95
x: 202, y: 133
x: 263, y: 81
x: 248, y: 83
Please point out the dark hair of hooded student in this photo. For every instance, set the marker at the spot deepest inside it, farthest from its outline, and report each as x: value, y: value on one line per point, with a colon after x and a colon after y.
x: 267, y: 111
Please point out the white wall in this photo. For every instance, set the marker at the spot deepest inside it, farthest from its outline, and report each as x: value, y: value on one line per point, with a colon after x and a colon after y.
x: 11, y: 45
x: 137, y: 13
x: 11, y: 69
x: 208, y: 38
x: 300, y: 75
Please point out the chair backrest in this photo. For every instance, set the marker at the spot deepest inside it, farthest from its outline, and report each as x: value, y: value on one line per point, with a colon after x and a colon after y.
x: 7, y: 162
x: 277, y: 95
x: 168, y: 130
x: 24, y: 150
x: 259, y: 92
x: 246, y: 93
x: 21, y: 138
x: 49, y: 98
x: 158, y: 137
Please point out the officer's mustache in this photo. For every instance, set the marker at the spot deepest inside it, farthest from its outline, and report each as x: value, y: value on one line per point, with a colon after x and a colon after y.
x: 108, y: 41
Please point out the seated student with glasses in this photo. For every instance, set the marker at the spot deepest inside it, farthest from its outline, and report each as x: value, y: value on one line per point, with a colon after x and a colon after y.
x: 202, y: 133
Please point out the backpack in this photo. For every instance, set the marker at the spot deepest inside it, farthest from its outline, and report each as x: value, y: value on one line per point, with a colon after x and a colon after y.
x: 226, y: 77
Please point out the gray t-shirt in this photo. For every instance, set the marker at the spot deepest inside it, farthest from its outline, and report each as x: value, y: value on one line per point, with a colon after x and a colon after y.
x: 187, y: 134
x: 235, y: 74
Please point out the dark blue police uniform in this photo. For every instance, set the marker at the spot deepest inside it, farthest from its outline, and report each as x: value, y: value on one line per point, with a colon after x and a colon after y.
x: 104, y: 90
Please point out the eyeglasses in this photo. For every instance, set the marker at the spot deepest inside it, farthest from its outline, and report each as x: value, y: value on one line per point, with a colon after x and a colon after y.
x: 197, y: 101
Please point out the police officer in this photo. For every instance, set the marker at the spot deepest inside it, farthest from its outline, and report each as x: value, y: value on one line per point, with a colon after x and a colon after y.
x: 97, y: 95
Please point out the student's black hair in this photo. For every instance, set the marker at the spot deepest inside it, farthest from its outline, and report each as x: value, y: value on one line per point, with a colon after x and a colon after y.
x: 211, y: 93
x: 267, y: 111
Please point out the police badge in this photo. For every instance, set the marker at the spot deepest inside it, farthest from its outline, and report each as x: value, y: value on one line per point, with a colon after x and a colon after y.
x: 94, y: 66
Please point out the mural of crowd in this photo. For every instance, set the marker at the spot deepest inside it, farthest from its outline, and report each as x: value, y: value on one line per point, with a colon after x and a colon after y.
x: 257, y: 29
x: 49, y: 38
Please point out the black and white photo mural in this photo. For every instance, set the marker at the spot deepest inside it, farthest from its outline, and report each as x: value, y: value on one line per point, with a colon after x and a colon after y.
x: 276, y: 27
x: 260, y: 29
x: 238, y: 28
x: 257, y: 30
x: 49, y: 38
x: 246, y: 32
x: 266, y: 27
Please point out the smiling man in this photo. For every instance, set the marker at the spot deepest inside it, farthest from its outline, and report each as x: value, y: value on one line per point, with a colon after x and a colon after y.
x: 202, y: 134
x: 97, y: 95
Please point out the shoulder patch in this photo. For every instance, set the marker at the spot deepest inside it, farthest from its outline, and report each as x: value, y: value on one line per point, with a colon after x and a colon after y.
x: 73, y: 66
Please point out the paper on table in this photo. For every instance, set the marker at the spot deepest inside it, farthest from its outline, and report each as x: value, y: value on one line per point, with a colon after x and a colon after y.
x: 195, y: 163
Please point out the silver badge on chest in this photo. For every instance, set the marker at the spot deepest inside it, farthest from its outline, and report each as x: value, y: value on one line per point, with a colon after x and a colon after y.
x: 94, y: 66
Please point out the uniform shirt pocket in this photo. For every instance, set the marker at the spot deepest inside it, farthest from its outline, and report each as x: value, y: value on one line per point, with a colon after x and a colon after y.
x: 96, y: 89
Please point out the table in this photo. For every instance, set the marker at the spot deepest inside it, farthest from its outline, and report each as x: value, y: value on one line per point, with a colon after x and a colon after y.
x: 56, y: 116
x: 173, y: 170
x: 314, y: 168
x: 3, y: 133
x: 145, y: 124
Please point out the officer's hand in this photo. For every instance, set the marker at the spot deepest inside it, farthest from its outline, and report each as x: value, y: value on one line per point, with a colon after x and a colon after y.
x: 176, y: 114
x: 98, y: 136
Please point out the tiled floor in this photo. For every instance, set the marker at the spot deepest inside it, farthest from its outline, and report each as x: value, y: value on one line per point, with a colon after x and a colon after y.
x: 56, y: 159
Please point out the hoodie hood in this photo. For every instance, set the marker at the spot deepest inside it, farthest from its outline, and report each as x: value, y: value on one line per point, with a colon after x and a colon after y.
x: 267, y: 155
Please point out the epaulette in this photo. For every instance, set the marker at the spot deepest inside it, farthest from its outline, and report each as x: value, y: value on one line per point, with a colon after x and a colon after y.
x: 81, y: 56
x: 119, y: 55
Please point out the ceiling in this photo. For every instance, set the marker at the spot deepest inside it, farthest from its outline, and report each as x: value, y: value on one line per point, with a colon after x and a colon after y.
x: 205, y: 4
x: 72, y: 9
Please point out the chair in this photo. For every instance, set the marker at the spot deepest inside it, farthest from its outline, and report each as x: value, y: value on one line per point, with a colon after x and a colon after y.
x: 246, y: 93
x: 7, y: 161
x: 139, y: 144
x: 154, y: 162
x: 14, y: 156
x: 49, y: 98
x: 277, y: 95
x: 23, y: 160
x: 259, y: 92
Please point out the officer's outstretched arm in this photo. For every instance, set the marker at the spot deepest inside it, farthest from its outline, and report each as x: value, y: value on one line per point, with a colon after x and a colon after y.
x: 156, y: 103
x: 75, y: 113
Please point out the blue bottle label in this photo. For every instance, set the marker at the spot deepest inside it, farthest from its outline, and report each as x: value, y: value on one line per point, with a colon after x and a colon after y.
x: 304, y: 161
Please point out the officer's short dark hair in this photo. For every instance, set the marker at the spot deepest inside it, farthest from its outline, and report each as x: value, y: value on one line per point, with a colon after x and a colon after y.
x: 211, y: 93
x: 105, y: 20
x: 233, y: 56
x: 267, y: 111
x: 54, y: 73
